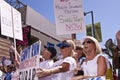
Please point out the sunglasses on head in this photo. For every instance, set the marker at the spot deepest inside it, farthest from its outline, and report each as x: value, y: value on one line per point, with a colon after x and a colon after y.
x: 88, y: 42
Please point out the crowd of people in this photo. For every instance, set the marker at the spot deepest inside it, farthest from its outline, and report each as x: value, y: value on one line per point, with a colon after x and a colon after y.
x: 78, y: 62
x: 9, y: 70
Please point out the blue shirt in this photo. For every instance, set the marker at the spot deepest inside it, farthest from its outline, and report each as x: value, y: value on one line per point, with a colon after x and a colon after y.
x: 8, y: 76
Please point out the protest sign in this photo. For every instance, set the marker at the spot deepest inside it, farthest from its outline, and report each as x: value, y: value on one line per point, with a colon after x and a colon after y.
x: 97, y: 78
x: 30, y: 61
x: 69, y: 16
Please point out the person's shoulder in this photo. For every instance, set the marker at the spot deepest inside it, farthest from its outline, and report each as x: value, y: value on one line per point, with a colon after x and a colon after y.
x: 101, y: 58
x: 69, y: 58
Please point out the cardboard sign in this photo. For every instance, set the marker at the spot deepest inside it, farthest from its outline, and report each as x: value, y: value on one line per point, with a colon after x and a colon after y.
x: 11, y: 25
x: 97, y: 78
x: 30, y: 61
x: 69, y: 16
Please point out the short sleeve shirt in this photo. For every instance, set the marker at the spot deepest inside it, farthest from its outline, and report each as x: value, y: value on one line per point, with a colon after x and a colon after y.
x: 65, y: 75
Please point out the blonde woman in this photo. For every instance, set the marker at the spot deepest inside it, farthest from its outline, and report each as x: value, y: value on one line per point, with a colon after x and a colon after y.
x: 63, y: 68
x: 95, y: 64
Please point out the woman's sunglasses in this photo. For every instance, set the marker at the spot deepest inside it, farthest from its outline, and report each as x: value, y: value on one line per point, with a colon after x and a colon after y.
x: 87, y: 42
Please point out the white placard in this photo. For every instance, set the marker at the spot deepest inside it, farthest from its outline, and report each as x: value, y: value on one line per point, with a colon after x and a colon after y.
x: 11, y: 25
x: 0, y: 6
x: 17, y: 25
x: 69, y: 16
x: 6, y: 19
x: 0, y: 10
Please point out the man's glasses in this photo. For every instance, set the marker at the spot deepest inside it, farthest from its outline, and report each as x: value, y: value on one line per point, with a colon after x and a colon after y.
x: 87, y: 42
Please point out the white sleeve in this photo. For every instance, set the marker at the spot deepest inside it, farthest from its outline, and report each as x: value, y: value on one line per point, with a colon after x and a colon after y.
x: 71, y: 61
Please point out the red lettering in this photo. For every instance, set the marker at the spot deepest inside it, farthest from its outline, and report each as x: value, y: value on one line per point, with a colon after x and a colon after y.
x: 74, y: 26
x: 64, y: 0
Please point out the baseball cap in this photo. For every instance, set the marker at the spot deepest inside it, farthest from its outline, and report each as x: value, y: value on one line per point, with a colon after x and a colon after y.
x: 52, y: 50
x: 7, y: 62
x: 63, y: 44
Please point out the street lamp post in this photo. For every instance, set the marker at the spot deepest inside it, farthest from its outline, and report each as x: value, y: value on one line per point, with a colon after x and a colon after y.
x: 93, y: 29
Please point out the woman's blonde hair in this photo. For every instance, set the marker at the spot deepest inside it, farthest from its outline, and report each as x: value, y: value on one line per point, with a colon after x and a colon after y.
x: 95, y: 41
x: 73, y: 46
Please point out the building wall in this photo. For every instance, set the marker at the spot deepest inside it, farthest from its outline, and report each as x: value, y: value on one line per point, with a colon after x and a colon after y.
x: 4, y: 48
x: 41, y: 27
x: 44, y: 39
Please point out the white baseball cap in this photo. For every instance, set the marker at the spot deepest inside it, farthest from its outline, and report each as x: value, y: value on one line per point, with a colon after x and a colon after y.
x: 7, y: 62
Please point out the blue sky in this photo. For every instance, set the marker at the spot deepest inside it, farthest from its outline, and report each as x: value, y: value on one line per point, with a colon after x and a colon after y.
x: 105, y: 11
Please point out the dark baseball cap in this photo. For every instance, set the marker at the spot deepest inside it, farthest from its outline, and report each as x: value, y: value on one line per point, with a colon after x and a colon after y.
x: 52, y: 50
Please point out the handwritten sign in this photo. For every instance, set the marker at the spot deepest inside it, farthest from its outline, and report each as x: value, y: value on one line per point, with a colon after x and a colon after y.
x: 11, y: 25
x: 69, y: 16
x: 17, y: 24
x: 6, y: 19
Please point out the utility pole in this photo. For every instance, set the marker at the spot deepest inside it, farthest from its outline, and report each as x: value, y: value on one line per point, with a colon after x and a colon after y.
x: 93, y: 29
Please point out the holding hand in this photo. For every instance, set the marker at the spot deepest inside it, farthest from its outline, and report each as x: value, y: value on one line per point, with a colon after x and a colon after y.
x: 42, y: 72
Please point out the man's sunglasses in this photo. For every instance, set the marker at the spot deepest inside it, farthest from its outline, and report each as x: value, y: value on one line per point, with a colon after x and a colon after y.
x: 87, y: 42
x: 62, y: 47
